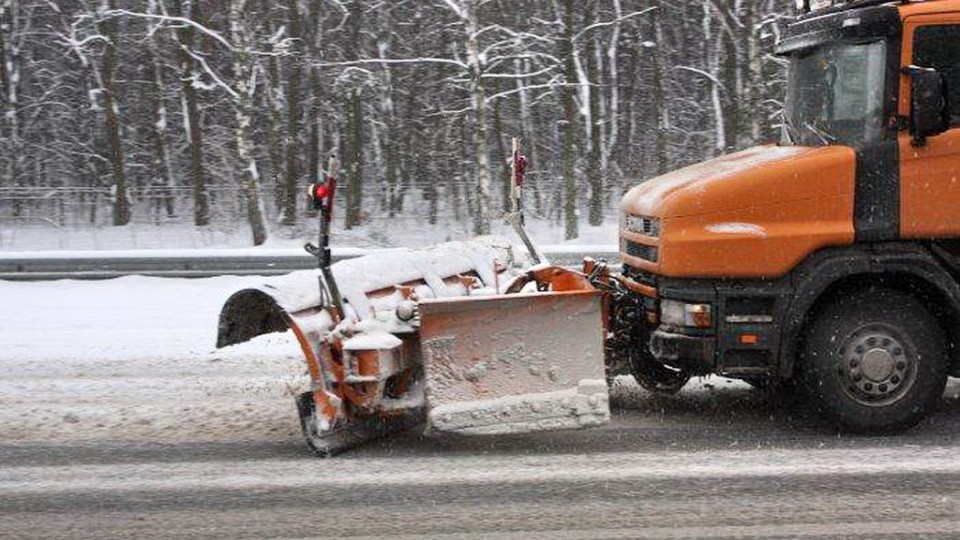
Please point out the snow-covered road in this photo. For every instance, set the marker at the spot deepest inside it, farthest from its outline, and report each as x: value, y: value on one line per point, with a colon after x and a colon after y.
x: 133, y: 359
x: 118, y: 418
x: 719, y: 465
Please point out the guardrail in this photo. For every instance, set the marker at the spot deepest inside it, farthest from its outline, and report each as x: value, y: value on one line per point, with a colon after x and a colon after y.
x: 93, y: 265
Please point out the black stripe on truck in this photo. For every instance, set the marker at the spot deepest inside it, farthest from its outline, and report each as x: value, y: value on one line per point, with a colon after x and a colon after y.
x: 876, y: 212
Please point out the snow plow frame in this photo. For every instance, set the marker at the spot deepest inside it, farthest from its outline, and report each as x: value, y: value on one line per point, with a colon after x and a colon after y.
x: 370, y: 373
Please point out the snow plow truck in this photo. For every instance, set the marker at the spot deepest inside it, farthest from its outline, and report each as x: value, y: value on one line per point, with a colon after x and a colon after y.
x: 830, y: 260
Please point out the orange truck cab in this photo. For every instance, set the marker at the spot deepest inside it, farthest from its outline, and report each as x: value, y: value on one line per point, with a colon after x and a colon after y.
x: 832, y: 258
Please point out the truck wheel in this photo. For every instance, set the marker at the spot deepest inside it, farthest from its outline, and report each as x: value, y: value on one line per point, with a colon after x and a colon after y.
x: 659, y: 379
x: 308, y: 426
x: 875, y: 361
x: 355, y: 432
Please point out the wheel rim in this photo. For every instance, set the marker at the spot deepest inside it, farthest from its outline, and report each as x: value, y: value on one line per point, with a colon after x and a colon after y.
x: 877, y: 366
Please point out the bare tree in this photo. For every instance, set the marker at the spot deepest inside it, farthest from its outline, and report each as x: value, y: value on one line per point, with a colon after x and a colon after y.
x: 571, y: 193
x: 245, y: 86
x: 111, y: 114
x: 193, y: 122
x: 294, y: 113
x: 11, y: 45
x: 158, y: 129
x: 354, y: 134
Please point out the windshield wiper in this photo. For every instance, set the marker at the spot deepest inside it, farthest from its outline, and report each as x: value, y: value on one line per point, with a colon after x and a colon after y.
x: 824, y: 137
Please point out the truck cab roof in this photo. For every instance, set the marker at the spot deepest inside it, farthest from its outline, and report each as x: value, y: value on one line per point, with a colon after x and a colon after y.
x: 908, y: 9
x: 869, y: 21
x: 858, y: 20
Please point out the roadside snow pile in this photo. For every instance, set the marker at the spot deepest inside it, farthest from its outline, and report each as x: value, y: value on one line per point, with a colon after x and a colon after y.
x: 134, y: 358
x: 149, y: 319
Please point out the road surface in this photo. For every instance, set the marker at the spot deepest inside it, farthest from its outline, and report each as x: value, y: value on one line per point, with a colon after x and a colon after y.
x: 721, y: 462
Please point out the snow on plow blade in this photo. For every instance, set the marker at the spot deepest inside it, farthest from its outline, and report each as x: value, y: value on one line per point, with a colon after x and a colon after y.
x: 514, y: 363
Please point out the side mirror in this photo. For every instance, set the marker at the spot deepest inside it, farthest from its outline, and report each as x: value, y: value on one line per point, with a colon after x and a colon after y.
x: 928, y: 111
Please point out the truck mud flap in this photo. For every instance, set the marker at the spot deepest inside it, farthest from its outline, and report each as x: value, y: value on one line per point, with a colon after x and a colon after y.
x: 514, y: 363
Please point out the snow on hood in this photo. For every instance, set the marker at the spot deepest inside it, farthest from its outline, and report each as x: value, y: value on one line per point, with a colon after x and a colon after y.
x: 684, y: 192
x: 737, y: 228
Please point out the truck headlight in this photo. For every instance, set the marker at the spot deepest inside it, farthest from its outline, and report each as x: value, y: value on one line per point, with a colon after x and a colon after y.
x: 682, y: 314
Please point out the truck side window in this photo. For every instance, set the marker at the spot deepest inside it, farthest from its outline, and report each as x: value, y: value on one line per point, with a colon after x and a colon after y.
x: 938, y: 47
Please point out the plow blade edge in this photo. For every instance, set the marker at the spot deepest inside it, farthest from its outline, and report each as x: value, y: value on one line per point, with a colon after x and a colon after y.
x: 514, y: 363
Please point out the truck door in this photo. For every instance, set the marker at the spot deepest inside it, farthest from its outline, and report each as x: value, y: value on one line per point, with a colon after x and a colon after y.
x: 930, y: 173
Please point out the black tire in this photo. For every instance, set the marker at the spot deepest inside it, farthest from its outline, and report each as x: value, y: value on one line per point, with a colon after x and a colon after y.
x: 874, y: 361
x: 308, y: 427
x: 770, y: 385
x: 760, y: 383
x: 354, y: 433
x: 659, y: 379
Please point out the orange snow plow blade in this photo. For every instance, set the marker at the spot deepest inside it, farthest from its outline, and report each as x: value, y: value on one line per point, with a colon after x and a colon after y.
x: 514, y: 363
x: 458, y: 336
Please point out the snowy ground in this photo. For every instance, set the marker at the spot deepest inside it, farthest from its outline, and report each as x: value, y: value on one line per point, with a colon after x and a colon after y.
x: 134, y: 359
x: 378, y: 234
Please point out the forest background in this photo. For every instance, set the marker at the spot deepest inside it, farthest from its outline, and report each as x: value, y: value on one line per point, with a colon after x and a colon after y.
x: 218, y: 113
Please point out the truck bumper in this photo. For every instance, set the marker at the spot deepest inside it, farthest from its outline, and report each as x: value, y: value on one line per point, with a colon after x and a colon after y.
x: 693, y: 354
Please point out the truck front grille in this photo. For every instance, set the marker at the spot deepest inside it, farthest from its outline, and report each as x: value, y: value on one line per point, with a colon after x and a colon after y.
x: 647, y: 226
x: 640, y: 251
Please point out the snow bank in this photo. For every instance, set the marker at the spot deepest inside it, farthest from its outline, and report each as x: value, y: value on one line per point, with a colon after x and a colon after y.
x: 134, y: 359
x: 130, y: 317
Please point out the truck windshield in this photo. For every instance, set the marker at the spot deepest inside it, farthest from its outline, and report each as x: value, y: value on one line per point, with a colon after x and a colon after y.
x: 835, y: 95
